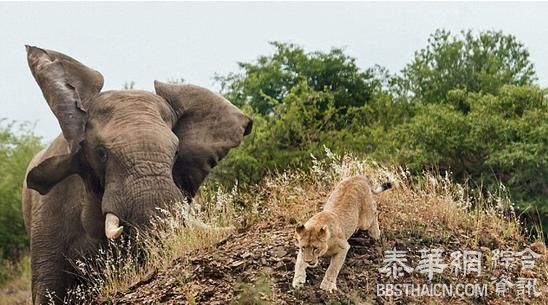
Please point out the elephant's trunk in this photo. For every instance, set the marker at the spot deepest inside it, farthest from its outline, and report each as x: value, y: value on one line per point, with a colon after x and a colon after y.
x: 135, y: 209
x: 113, y: 230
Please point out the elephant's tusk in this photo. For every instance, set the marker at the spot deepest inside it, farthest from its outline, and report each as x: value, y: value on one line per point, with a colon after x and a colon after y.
x: 113, y: 229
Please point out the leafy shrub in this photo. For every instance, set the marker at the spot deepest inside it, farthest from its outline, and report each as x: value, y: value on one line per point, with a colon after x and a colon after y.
x: 466, y: 105
x: 501, y: 140
x: 482, y: 62
x: 17, y: 147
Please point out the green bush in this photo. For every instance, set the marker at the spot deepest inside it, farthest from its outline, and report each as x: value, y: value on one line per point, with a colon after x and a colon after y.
x: 264, y: 83
x: 502, y: 139
x: 482, y: 62
x: 17, y: 147
x: 465, y: 105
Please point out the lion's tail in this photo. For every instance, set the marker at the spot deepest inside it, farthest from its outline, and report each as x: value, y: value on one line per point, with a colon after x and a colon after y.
x: 383, y: 187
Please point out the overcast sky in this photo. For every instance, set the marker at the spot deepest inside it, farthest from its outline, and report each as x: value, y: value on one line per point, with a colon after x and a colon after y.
x: 145, y: 41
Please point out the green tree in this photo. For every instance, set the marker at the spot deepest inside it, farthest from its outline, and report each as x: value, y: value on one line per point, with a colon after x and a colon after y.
x: 263, y: 84
x: 464, y: 105
x: 304, y: 121
x: 511, y: 129
x: 17, y: 147
x: 482, y: 62
x: 301, y: 101
x: 502, y: 139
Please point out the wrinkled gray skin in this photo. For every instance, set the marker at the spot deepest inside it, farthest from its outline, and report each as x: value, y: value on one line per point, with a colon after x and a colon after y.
x: 122, y: 153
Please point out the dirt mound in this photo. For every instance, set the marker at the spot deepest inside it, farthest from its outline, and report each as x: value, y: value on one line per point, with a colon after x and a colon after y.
x: 253, y: 266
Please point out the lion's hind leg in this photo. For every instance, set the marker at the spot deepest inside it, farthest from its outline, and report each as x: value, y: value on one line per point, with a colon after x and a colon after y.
x: 364, y: 223
x: 374, y: 230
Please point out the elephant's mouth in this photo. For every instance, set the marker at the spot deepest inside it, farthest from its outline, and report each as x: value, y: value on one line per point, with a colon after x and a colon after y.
x: 113, y: 230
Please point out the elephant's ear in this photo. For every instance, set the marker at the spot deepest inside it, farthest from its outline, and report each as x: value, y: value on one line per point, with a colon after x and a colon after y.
x: 207, y: 126
x: 67, y: 85
x: 51, y: 171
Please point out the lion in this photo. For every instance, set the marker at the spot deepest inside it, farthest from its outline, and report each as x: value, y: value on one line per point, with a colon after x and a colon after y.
x: 349, y: 207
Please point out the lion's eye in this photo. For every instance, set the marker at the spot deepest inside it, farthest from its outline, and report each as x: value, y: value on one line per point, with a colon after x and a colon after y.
x: 101, y: 154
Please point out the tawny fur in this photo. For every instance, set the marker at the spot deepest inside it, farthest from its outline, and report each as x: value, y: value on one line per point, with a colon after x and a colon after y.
x: 349, y: 207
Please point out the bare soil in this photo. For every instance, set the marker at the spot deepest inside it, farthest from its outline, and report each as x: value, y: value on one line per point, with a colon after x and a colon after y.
x: 263, y: 257
x: 256, y: 266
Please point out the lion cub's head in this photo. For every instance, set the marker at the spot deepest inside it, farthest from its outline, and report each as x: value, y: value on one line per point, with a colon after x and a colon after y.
x: 312, y: 241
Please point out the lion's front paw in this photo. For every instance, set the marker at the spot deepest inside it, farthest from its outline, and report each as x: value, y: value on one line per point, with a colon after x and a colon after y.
x: 298, y: 281
x: 328, y: 285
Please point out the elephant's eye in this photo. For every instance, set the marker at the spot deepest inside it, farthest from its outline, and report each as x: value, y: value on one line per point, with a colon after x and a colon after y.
x: 101, y: 154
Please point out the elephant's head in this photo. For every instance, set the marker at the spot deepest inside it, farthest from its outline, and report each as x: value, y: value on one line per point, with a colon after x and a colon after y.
x: 135, y: 150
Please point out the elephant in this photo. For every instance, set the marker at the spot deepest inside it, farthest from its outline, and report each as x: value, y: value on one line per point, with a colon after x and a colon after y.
x: 121, y: 155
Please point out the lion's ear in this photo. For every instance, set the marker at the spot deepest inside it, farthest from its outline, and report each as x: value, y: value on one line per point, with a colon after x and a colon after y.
x: 322, y: 234
x: 299, y: 229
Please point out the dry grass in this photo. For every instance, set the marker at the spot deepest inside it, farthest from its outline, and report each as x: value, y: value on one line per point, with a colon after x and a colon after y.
x: 426, y: 209
x: 17, y: 289
x: 173, y: 233
x: 418, y: 212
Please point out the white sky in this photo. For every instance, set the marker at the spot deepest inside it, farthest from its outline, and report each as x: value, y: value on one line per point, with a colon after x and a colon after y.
x: 145, y: 41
